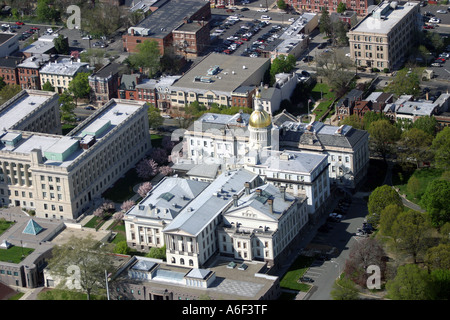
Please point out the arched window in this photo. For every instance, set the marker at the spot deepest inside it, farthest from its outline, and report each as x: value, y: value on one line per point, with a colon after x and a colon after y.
x: 173, y: 260
x: 191, y: 262
x: 182, y: 261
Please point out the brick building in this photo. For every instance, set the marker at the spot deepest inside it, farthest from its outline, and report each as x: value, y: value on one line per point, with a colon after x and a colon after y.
x: 177, y: 26
x: 359, y: 6
x: 8, y: 69
x: 105, y: 83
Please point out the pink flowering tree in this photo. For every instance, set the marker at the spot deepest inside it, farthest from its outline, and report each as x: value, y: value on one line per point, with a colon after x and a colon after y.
x: 166, y: 170
x: 144, y: 188
x: 127, y: 205
x: 147, y: 168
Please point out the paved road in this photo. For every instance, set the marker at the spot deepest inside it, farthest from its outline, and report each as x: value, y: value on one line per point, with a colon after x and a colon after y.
x: 342, y: 237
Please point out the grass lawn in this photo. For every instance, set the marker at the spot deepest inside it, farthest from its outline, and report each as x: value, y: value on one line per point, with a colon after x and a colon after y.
x: 4, y: 225
x: 58, y: 294
x: 17, y: 296
x: 322, y: 92
x: 295, y: 272
x: 123, y: 188
x: 14, y: 254
x: 400, y: 177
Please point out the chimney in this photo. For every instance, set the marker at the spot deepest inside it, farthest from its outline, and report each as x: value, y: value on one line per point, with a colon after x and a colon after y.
x: 258, y: 192
x: 270, y: 203
x: 283, y: 192
x: 235, y: 200
x: 132, y: 32
x: 247, y: 188
x: 426, y: 95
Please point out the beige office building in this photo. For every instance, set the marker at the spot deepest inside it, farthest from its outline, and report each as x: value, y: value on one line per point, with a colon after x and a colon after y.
x: 62, y: 176
x: 383, y: 38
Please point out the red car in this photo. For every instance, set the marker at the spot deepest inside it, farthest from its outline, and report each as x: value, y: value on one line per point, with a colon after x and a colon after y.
x: 238, y: 42
x: 244, y: 39
x: 34, y: 28
x: 220, y: 7
x: 428, y: 27
x: 440, y: 59
x: 20, y: 23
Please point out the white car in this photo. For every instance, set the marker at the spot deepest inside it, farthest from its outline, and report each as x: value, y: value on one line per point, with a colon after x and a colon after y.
x: 434, y: 20
x: 444, y: 55
x: 87, y: 38
x: 291, y: 19
x: 49, y: 30
x: 436, y: 64
x: 441, y: 11
x: 264, y: 17
x: 262, y: 10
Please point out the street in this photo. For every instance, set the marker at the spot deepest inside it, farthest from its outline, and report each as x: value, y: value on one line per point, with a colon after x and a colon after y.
x: 342, y: 236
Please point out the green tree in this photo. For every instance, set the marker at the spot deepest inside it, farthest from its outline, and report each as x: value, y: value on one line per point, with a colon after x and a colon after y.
x: 426, y: 123
x: 61, y: 44
x: 122, y: 248
x: 85, y: 255
x: 157, y: 253
x: 441, y: 149
x: 387, y: 218
x: 438, y: 257
x: 339, y: 33
x: 2, y: 83
x: 9, y: 91
x: 383, y: 135
x: 411, y: 232
x: 281, y: 4
x: 440, y: 280
x: 46, y: 12
x: 48, y: 87
x: 410, y: 283
x: 281, y: 64
x: 325, y: 22
x: 372, y: 116
x: 79, y: 86
x: 405, y: 83
x: 67, y: 107
x: 155, y: 119
x: 336, y: 69
x: 344, y: 289
x: 436, y: 201
x: 413, y: 186
x: 354, y: 121
x: 147, y: 57
x: 414, y: 146
x: 341, y: 7
x: 379, y: 199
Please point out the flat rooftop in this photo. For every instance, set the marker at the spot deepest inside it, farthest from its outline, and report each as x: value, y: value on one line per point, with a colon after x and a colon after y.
x: 233, y: 71
x: 374, y: 23
x: 169, y: 16
x: 63, y: 67
x: 22, y: 105
x: 113, y: 114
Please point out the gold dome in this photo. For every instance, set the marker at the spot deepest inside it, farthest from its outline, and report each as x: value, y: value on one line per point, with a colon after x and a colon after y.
x: 259, y: 119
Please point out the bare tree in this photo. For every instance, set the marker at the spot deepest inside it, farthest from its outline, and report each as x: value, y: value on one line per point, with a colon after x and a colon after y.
x: 336, y: 69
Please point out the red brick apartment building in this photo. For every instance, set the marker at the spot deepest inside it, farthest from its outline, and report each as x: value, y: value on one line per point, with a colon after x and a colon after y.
x: 359, y: 6
x: 179, y: 26
x: 8, y: 69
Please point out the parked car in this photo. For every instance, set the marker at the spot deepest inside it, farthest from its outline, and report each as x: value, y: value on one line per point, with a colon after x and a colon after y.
x: 87, y: 37
x: 322, y: 45
x: 306, y: 279
x: 434, y: 20
x: 245, y: 9
x: 89, y: 108
x: 262, y: 10
x: 441, y: 11
x: 428, y: 26
x: 20, y: 23
x: 264, y: 17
